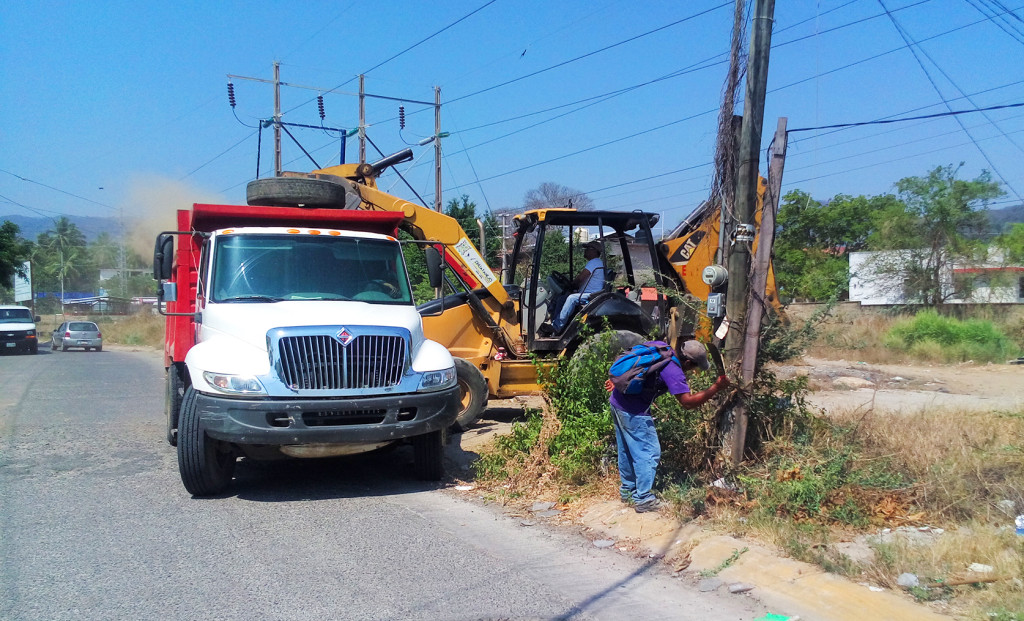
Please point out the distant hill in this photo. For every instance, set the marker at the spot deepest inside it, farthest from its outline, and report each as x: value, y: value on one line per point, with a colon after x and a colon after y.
x: 1000, y: 220
x: 90, y: 226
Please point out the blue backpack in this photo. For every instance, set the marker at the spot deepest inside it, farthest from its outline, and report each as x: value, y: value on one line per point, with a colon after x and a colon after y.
x: 633, y: 370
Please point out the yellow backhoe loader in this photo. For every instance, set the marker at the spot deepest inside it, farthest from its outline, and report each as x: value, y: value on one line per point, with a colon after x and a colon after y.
x: 492, y: 322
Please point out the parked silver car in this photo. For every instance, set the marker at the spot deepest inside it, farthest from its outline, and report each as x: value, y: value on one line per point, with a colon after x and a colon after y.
x: 84, y: 334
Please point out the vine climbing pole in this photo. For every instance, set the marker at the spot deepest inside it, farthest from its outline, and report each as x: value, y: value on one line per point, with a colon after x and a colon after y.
x: 742, y: 231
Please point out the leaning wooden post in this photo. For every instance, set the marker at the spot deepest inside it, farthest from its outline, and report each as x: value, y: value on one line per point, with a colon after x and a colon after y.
x: 763, y: 255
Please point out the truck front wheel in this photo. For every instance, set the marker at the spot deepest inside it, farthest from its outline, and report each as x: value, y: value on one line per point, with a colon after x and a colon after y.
x: 428, y: 456
x: 472, y: 394
x: 206, y: 465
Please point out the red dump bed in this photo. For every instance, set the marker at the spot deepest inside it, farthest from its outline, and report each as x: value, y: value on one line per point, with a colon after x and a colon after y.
x: 208, y: 218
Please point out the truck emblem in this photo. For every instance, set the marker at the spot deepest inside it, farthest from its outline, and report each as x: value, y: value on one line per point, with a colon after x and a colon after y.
x: 344, y: 336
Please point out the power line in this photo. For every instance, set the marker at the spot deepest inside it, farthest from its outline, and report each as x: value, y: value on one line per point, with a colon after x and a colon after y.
x: 895, y: 146
x: 981, y: 92
x: 588, y: 54
x: 50, y: 187
x: 913, y: 50
x: 384, y: 62
x: 909, y: 118
x: 697, y: 67
x: 425, y: 39
x: 32, y: 209
x: 1005, y: 25
x: 597, y: 146
x: 873, y: 164
x: 216, y: 157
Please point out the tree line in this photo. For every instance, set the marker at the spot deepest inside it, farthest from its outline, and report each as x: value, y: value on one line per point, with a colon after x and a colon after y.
x: 63, y: 260
x: 926, y: 227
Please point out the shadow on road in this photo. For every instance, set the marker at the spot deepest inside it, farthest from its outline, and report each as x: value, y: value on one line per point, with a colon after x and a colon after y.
x: 384, y: 472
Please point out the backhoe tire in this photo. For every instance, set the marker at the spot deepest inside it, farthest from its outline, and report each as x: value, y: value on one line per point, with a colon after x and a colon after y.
x: 205, y: 465
x: 472, y: 394
x: 295, y: 192
x: 619, y: 341
x: 428, y: 456
x: 174, y: 393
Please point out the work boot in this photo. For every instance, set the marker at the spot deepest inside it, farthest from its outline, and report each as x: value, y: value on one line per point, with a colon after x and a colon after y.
x: 649, y: 505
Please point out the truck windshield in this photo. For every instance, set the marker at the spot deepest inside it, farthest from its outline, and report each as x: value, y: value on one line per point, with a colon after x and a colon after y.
x: 15, y: 315
x: 274, y: 268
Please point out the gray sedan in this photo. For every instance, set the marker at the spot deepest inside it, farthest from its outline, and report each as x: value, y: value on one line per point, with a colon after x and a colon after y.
x: 84, y: 334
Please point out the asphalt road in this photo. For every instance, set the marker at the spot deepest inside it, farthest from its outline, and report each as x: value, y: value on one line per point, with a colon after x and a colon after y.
x: 95, y: 524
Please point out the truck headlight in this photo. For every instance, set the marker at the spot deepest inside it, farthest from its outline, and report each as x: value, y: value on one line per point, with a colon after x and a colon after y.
x: 438, y: 380
x: 236, y: 384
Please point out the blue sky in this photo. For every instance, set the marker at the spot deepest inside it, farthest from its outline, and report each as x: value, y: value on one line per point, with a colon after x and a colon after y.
x: 114, y: 107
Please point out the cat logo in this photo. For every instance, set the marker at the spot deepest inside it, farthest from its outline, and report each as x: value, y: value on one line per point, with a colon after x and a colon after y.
x: 683, y: 254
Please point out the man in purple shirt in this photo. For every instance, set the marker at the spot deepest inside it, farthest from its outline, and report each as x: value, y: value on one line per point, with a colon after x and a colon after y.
x: 635, y: 435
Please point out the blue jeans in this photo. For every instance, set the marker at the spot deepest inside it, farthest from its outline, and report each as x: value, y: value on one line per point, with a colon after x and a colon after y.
x: 572, y: 301
x: 639, y: 454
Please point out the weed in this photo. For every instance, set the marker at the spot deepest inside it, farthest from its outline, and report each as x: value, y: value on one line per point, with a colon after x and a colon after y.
x: 735, y: 556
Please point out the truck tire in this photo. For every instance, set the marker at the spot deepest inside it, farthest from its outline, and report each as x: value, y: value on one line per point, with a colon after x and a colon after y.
x: 472, y: 393
x: 295, y: 192
x: 428, y: 456
x: 174, y: 393
x: 206, y: 467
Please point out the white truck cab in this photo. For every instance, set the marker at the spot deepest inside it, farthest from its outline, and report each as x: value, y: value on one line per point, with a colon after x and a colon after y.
x: 302, y: 342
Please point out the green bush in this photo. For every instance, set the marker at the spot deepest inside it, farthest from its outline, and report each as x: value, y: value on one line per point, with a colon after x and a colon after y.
x: 583, y: 446
x: 933, y: 336
x: 578, y: 398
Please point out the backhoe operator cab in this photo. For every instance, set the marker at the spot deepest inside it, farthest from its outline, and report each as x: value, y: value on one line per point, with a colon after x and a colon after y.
x: 548, y: 255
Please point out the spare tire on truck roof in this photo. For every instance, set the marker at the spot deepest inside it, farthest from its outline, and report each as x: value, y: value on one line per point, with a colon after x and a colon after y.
x: 295, y: 192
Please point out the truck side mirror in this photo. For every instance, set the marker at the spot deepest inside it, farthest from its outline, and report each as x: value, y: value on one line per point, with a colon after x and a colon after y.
x: 163, y: 257
x: 168, y: 292
x: 433, y: 258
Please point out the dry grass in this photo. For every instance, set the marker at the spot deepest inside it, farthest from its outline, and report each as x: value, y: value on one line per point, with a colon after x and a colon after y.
x: 964, y: 462
x: 945, y: 561
x: 859, y: 337
x: 965, y: 465
x: 142, y: 329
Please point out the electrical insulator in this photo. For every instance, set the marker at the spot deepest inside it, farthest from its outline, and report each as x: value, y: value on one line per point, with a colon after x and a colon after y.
x: 231, y: 94
x: 320, y: 105
x: 401, y: 117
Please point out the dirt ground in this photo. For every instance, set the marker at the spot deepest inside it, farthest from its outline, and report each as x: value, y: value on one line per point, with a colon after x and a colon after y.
x: 842, y: 384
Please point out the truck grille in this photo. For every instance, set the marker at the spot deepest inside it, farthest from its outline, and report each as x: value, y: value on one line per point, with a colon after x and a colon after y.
x: 320, y: 362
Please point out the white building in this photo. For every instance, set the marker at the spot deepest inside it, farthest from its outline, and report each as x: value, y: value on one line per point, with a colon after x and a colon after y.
x: 873, y: 281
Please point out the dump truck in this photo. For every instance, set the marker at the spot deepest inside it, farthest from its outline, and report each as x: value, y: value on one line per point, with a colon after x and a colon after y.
x: 490, y: 321
x: 291, y: 332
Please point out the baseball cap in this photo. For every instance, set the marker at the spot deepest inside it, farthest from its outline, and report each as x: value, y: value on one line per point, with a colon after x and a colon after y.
x: 695, y: 352
x: 596, y: 245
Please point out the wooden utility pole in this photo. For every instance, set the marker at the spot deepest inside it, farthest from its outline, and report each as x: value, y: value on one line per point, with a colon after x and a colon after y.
x: 277, y: 119
x: 362, y: 119
x: 437, y: 148
x: 746, y: 198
